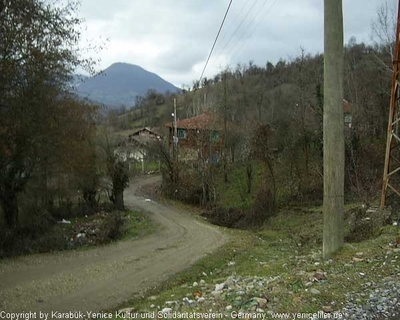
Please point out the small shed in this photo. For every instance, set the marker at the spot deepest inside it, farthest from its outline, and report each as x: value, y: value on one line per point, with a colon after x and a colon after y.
x: 134, y: 148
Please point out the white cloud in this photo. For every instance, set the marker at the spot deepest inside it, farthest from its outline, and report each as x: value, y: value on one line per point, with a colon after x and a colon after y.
x: 173, y: 37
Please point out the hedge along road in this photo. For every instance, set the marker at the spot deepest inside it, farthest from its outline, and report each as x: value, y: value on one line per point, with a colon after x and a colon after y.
x: 104, y: 277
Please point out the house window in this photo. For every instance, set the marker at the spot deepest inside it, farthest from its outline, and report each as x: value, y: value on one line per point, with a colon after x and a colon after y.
x: 182, y: 133
x: 214, y: 158
x: 347, y: 118
x: 215, y: 136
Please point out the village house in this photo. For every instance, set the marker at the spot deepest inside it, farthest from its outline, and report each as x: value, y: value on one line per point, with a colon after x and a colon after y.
x: 199, y: 137
x: 347, y: 113
x: 134, y: 148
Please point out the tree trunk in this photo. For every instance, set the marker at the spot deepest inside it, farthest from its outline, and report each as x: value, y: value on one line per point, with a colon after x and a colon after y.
x: 333, y: 128
x: 9, y: 204
x: 272, y: 175
x: 233, y: 153
x: 249, y: 176
x: 89, y: 195
x: 119, y: 200
x: 225, y: 168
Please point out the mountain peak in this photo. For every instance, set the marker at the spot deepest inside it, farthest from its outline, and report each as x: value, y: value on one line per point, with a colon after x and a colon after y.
x: 123, y: 65
x: 120, y: 83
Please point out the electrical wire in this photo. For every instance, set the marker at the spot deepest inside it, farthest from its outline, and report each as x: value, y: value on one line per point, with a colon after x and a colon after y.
x: 237, y: 46
x: 230, y: 24
x: 236, y: 43
x: 215, y: 41
x: 236, y: 30
x: 235, y: 52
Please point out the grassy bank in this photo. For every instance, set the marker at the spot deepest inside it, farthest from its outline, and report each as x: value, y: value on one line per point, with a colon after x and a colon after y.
x: 138, y: 225
x: 288, y: 252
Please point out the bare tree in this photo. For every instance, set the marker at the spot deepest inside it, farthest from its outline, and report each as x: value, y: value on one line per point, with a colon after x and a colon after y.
x: 333, y: 128
x: 116, y: 169
x: 384, y: 34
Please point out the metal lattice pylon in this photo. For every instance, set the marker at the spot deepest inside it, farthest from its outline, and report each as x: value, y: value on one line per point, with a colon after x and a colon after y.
x: 391, y: 174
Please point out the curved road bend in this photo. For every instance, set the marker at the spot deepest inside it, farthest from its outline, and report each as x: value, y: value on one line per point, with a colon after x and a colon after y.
x: 104, y: 277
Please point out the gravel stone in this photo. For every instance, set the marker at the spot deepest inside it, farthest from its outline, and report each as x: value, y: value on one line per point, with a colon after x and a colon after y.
x: 383, y: 302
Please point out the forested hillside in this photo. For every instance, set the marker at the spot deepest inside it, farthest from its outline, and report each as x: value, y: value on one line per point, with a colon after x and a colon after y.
x: 276, y: 116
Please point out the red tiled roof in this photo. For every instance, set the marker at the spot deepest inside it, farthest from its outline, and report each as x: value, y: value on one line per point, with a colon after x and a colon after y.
x: 203, y: 121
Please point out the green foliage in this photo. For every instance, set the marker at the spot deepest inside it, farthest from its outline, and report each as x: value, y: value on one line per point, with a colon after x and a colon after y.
x: 137, y: 224
x: 234, y: 193
x: 235, y: 206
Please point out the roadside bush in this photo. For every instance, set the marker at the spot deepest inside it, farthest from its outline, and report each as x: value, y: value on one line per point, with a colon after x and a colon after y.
x: 362, y: 224
x: 112, y: 228
x: 364, y: 163
x: 64, y: 210
x: 264, y: 208
x: 32, y: 239
x: 311, y: 196
x: 101, y: 228
x: 187, y: 190
x: 226, y: 217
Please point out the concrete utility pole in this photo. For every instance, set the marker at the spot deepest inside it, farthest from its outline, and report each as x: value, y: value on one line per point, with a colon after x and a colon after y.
x: 333, y: 128
x: 175, y: 145
x: 175, y: 131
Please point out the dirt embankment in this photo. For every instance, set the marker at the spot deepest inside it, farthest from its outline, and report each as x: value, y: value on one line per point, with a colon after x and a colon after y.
x: 102, y: 278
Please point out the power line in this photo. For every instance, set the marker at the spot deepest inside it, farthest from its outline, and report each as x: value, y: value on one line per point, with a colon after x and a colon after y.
x: 237, y: 50
x: 230, y: 24
x: 236, y: 30
x: 233, y: 46
x: 251, y: 23
x: 215, y: 41
x: 237, y: 46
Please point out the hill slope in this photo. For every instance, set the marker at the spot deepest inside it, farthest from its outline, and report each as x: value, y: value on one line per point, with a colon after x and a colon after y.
x: 120, y: 83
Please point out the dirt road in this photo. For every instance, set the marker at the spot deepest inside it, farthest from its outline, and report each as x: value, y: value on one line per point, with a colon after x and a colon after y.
x: 104, y: 277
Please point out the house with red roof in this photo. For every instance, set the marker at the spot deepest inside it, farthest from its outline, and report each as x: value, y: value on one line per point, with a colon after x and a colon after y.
x: 199, y: 137
x: 347, y: 113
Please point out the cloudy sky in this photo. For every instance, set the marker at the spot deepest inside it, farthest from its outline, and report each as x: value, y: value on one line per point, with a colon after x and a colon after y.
x: 173, y: 37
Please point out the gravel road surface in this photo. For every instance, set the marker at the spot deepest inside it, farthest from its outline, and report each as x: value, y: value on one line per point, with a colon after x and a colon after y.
x: 104, y: 277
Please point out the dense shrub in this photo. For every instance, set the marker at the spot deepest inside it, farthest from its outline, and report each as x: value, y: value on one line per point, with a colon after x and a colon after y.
x: 364, y: 165
x: 226, y: 217
x: 112, y: 228
x: 187, y: 189
x: 362, y: 224
x: 32, y: 239
x: 47, y: 236
x: 264, y: 208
